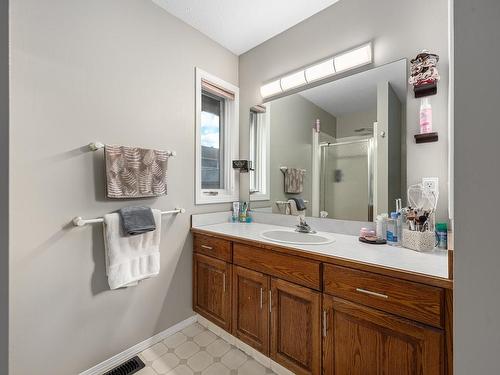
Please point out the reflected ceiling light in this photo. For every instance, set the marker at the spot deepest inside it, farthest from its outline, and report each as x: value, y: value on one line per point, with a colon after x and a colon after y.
x: 321, y: 70
x: 354, y: 58
x: 293, y: 80
x: 271, y: 88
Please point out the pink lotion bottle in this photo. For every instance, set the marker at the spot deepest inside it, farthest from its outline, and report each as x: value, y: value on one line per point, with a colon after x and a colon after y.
x: 425, y: 116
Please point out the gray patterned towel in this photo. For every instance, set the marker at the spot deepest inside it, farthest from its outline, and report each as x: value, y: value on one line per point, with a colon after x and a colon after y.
x: 133, y: 172
x: 294, y: 180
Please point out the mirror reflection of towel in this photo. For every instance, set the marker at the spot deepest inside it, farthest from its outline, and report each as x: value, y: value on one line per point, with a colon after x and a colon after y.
x: 294, y: 180
x: 299, y: 204
x: 133, y: 172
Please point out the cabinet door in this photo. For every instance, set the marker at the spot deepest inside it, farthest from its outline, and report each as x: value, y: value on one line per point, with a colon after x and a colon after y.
x: 251, y: 308
x: 359, y: 340
x: 212, y: 289
x: 296, y: 328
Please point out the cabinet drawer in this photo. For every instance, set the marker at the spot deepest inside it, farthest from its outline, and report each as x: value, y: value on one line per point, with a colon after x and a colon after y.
x: 212, y: 246
x: 414, y: 301
x: 287, y: 267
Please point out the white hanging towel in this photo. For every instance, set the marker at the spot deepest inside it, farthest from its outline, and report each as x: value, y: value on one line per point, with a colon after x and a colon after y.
x: 130, y: 259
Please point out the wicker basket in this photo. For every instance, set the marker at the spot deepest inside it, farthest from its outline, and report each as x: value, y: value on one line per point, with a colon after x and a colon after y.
x: 419, y: 241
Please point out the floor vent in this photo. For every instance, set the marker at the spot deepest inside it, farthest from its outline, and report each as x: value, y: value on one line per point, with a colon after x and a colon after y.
x: 127, y: 368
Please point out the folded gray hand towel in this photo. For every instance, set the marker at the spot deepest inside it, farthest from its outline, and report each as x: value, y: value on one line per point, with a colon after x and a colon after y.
x: 137, y: 220
x: 299, y: 202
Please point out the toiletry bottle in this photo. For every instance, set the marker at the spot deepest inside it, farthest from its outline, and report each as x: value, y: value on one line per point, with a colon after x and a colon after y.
x: 381, y: 229
x: 399, y: 210
x: 243, y: 212
x: 442, y: 235
x: 236, y: 212
x: 425, y: 116
x: 249, y: 216
x: 393, y: 230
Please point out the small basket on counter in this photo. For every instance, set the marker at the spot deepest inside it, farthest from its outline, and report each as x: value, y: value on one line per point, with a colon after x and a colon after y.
x: 419, y: 219
x: 419, y: 241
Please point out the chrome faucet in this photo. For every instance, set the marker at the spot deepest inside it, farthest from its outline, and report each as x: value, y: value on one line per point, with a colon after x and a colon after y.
x: 303, y: 227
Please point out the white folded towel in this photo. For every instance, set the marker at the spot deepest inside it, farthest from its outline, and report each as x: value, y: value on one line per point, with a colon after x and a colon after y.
x: 130, y: 259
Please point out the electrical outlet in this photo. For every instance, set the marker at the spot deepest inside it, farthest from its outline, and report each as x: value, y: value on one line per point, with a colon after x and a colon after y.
x: 431, y: 183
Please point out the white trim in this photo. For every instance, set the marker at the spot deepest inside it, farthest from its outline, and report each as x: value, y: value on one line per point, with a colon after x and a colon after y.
x: 136, y: 349
x: 231, y: 142
x: 263, y: 162
x: 316, y: 173
x: 451, y: 115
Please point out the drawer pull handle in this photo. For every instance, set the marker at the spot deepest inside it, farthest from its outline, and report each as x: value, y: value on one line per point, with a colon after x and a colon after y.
x: 261, y: 292
x: 270, y: 301
x: 372, y: 293
x: 207, y: 247
x: 325, y: 324
x: 224, y: 283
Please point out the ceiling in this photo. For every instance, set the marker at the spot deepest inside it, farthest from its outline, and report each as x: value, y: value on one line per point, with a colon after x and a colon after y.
x: 240, y: 25
x: 358, y: 93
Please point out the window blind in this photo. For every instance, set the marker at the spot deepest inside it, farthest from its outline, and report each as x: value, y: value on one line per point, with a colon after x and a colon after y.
x: 214, y: 89
x: 258, y: 109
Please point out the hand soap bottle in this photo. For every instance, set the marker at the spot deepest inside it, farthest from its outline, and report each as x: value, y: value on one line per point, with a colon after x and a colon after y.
x: 425, y: 116
x: 393, y: 230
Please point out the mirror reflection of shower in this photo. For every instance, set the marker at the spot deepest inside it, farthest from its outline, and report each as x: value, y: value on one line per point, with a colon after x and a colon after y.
x: 346, y: 173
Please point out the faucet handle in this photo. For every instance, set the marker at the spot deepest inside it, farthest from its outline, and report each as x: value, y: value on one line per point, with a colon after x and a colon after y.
x: 302, y: 220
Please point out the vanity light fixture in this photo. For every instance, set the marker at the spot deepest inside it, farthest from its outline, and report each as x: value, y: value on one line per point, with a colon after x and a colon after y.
x: 321, y: 70
x: 354, y: 58
x: 271, y: 88
x: 293, y: 80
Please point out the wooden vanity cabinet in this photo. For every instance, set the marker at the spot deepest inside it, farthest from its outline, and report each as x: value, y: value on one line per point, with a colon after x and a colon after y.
x: 316, y: 316
x: 251, y: 308
x: 212, y: 289
x: 359, y: 340
x: 296, y: 327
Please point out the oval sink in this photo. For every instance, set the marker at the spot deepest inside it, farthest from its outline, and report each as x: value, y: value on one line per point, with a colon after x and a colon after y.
x: 296, y: 238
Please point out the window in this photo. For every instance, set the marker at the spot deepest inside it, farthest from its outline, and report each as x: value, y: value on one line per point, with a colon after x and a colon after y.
x: 212, y: 141
x: 260, y: 152
x: 216, y: 139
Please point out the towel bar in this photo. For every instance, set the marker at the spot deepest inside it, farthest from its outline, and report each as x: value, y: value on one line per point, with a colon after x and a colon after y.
x: 80, y: 222
x: 94, y: 146
x: 286, y: 202
x: 283, y: 169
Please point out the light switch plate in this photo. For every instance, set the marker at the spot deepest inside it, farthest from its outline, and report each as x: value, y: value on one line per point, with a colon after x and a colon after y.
x: 431, y: 183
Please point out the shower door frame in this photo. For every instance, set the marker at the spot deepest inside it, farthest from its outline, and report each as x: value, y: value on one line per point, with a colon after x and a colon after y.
x: 371, y: 167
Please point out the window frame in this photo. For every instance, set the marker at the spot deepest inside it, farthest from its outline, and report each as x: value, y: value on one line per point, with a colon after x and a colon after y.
x: 222, y: 145
x: 230, y: 192
x: 262, y: 164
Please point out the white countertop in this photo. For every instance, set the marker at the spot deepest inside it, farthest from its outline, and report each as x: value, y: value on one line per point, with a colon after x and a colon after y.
x: 433, y: 263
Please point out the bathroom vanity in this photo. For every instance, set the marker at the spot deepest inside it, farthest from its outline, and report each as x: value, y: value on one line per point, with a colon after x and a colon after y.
x: 338, y: 308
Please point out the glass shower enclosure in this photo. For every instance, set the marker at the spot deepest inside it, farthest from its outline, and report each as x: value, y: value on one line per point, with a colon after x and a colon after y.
x: 347, y: 174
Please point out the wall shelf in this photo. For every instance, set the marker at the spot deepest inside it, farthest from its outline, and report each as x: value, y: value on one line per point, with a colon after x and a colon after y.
x: 426, y: 138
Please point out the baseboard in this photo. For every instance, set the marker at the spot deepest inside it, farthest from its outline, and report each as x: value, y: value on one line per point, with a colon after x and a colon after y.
x: 136, y: 349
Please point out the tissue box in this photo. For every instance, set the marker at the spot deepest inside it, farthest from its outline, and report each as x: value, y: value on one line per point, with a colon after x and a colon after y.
x: 419, y: 241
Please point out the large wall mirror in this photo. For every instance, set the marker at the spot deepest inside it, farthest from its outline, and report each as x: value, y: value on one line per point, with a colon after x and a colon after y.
x: 337, y: 149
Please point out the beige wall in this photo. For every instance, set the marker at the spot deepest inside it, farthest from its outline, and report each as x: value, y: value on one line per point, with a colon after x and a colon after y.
x: 118, y: 71
x: 348, y: 123
x: 477, y: 181
x: 292, y: 119
x: 396, y: 31
x: 4, y: 186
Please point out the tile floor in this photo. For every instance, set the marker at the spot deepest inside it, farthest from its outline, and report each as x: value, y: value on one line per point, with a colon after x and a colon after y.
x: 197, y: 351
